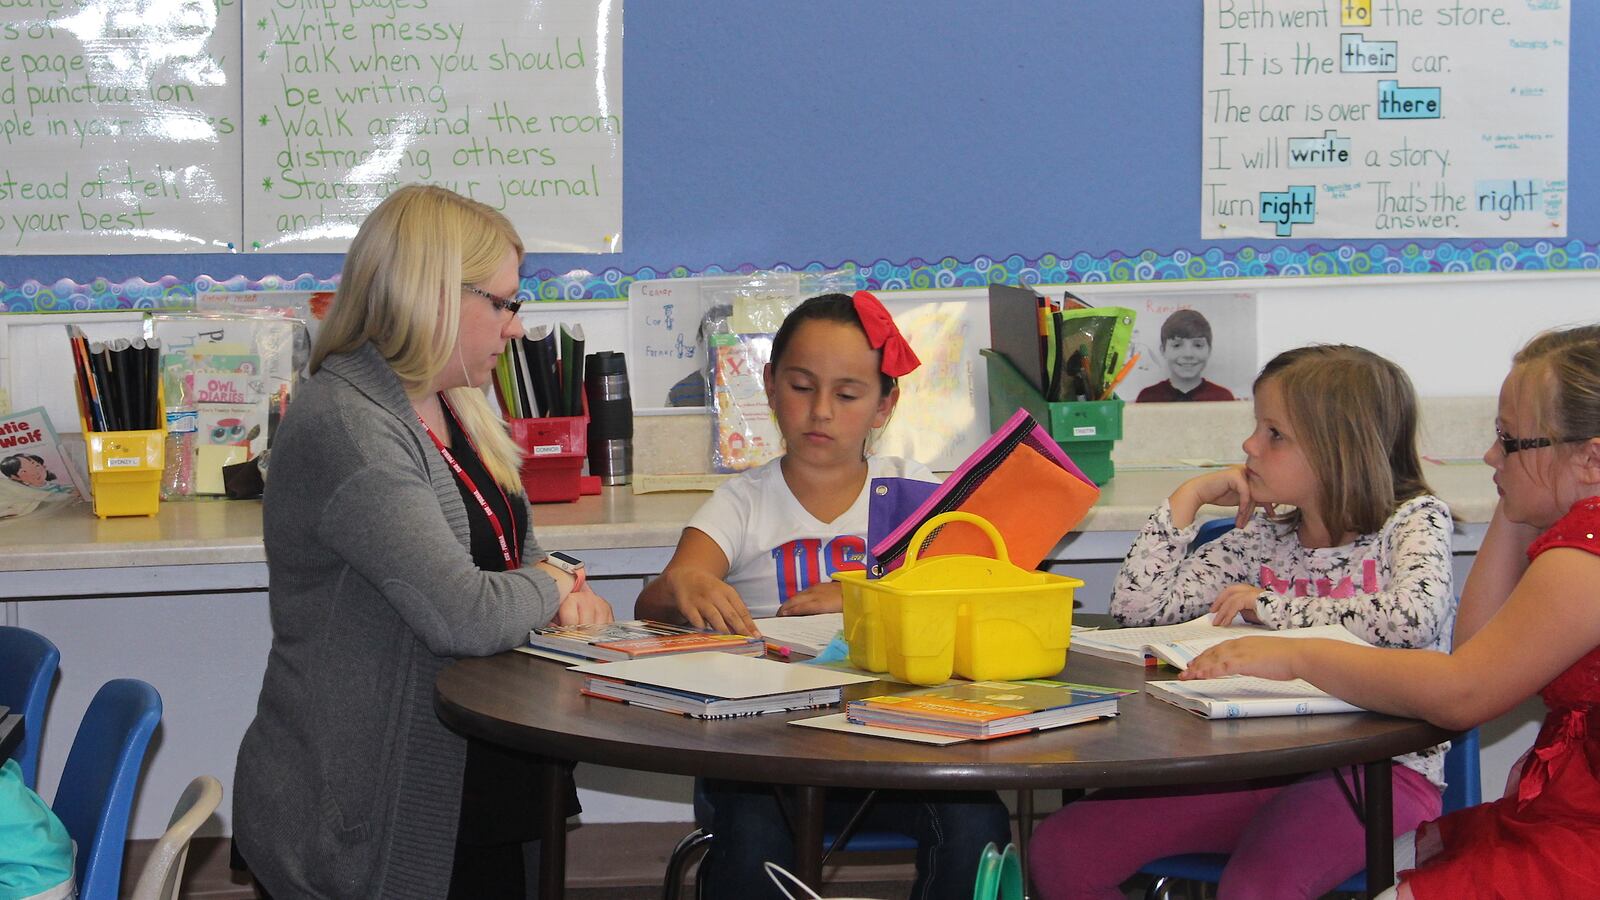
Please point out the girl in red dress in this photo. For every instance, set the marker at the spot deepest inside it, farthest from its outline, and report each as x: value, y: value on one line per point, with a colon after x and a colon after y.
x: 1529, y: 621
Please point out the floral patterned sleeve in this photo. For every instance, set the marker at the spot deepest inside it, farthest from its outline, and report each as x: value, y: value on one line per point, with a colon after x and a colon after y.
x: 1160, y: 583
x: 1417, y: 605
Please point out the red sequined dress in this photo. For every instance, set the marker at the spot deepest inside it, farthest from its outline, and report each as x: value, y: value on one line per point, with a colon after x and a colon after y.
x: 1544, y: 841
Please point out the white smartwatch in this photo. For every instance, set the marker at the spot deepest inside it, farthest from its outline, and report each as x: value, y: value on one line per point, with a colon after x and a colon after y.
x: 569, y: 564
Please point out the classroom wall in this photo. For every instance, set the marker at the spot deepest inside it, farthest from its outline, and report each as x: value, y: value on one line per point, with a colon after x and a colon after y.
x: 901, y: 134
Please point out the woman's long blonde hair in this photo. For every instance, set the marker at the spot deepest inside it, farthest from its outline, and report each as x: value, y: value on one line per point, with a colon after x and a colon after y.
x: 401, y: 290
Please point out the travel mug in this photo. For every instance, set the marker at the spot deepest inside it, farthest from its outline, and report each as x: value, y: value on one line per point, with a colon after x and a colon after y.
x: 605, y: 382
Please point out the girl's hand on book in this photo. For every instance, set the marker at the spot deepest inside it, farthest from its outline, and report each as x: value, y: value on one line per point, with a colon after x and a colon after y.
x: 583, y: 607
x: 709, y: 604
x: 827, y: 597
x: 1262, y: 657
x: 1235, y: 599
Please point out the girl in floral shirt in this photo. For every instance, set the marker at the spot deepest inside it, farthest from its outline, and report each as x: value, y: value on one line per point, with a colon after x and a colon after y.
x: 1335, y: 525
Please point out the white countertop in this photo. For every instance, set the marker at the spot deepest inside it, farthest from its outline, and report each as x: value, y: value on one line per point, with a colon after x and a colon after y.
x: 69, y: 536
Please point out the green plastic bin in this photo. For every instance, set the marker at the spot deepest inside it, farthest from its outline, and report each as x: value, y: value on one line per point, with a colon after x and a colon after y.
x: 1086, y: 430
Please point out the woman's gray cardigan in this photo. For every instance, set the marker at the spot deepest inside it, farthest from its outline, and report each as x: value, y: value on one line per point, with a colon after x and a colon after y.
x: 347, y: 783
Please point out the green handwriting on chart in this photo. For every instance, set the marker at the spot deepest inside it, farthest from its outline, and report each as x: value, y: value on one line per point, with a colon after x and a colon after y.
x: 367, y: 101
x: 45, y: 95
x: 113, y: 199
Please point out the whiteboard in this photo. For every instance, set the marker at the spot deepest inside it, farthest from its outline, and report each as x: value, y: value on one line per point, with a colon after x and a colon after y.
x: 119, y: 127
x: 515, y: 104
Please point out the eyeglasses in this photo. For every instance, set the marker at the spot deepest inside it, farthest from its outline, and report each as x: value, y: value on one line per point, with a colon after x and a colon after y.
x: 501, y: 304
x: 1511, y: 444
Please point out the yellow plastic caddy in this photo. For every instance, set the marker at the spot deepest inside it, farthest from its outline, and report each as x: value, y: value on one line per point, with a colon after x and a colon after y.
x: 977, y: 617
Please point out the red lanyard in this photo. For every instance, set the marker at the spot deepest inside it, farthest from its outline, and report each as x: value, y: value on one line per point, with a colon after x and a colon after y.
x: 506, y: 549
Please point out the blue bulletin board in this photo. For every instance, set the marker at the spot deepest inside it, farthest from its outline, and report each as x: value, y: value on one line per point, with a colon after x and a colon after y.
x: 923, y: 143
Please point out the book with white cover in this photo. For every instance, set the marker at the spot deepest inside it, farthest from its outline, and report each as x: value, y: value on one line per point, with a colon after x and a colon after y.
x: 713, y: 685
x: 1178, y: 644
x: 721, y: 675
x: 1247, y: 697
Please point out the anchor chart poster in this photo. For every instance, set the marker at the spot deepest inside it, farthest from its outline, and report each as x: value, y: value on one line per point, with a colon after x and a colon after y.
x: 1392, y: 119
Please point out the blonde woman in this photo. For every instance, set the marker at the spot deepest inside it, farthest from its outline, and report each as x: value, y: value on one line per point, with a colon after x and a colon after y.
x: 397, y: 539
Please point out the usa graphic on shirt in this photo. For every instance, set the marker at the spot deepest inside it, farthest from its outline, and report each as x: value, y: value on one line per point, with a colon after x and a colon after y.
x: 807, y: 562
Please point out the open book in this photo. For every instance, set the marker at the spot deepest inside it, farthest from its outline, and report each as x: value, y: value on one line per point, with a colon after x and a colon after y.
x: 805, y: 634
x: 1178, y: 644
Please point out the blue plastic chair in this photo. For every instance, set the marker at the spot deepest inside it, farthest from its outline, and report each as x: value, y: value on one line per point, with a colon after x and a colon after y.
x: 1210, y: 531
x: 97, y: 785
x: 28, y: 664
x: 1463, y: 788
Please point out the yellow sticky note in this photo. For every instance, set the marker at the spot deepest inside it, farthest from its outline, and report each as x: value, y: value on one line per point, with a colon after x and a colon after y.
x: 209, y: 460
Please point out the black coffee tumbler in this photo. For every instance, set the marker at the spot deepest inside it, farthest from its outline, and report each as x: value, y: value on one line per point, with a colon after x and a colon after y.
x: 605, y: 382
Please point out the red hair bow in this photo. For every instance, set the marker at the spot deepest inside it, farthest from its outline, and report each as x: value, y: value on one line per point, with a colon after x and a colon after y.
x: 898, y: 357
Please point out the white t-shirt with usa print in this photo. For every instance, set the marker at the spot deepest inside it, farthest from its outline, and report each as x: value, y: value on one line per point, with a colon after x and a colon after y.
x: 777, y: 549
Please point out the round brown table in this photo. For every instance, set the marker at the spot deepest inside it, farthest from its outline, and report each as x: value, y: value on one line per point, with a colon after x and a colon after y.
x: 534, y: 704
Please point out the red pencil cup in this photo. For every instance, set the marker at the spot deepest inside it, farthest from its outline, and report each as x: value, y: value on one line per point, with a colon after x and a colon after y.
x: 554, y: 450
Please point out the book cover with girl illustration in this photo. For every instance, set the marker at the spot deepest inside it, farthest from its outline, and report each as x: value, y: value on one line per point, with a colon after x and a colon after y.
x: 30, y: 453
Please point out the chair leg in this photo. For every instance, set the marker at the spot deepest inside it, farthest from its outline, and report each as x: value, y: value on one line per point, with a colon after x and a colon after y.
x: 1024, y: 835
x: 679, y: 861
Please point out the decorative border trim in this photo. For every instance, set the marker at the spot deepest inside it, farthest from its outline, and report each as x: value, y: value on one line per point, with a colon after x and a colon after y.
x: 1115, y: 267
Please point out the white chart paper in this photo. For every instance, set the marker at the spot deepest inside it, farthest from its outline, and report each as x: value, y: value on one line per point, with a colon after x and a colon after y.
x: 515, y: 104
x: 1414, y: 119
x: 119, y: 127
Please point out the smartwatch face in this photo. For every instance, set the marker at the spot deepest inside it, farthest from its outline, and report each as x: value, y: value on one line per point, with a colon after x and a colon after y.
x: 565, y: 561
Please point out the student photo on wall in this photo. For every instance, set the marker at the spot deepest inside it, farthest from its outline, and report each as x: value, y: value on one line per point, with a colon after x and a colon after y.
x: 1177, y: 342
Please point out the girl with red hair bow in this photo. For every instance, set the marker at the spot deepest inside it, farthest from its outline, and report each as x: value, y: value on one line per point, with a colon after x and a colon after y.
x: 766, y: 543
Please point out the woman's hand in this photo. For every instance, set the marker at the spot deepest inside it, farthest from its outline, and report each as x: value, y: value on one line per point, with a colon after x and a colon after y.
x: 1224, y: 487
x: 1235, y: 599
x: 1263, y: 657
x: 827, y: 597
x: 583, y: 607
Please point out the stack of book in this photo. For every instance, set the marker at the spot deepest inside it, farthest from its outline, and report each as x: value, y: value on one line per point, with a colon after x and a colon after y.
x: 631, y: 640
x: 715, y: 685
x: 982, y: 710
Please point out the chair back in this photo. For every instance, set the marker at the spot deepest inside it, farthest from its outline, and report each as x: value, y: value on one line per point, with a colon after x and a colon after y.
x: 28, y: 664
x: 1210, y: 531
x: 95, y: 796
x: 1463, y: 781
x: 163, y: 873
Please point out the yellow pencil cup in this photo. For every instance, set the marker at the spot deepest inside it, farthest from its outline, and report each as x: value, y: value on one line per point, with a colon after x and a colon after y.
x: 975, y: 616
x: 125, y: 471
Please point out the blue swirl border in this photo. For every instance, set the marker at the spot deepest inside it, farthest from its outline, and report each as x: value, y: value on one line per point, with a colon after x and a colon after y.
x: 1115, y: 267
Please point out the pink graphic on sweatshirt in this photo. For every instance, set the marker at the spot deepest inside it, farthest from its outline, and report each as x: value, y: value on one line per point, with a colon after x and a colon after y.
x: 1323, y: 587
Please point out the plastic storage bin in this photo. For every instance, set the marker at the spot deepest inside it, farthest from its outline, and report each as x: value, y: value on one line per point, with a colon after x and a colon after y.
x: 1086, y: 430
x: 125, y: 471
x: 973, y: 616
x: 555, y: 450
